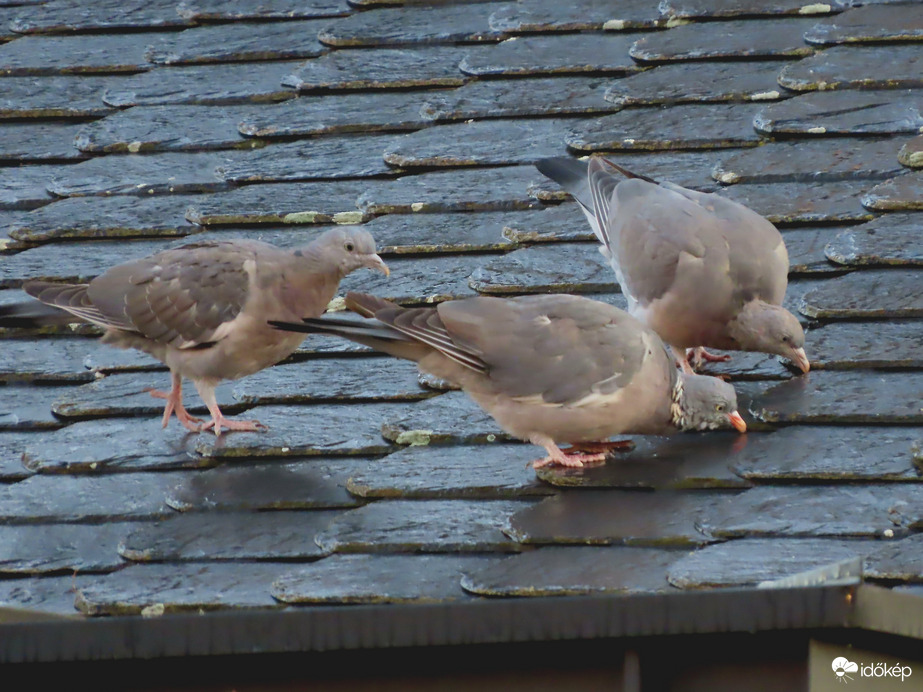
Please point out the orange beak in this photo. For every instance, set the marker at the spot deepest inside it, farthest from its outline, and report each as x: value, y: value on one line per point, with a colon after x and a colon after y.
x: 739, y: 423
x: 800, y: 358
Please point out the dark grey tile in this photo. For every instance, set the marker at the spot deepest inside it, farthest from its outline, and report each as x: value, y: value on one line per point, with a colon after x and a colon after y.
x: 553, y: 267
x: 64, y: 16
x: 422, y: 280
x: 34, y: 142
x: 428, y: 233
x: 25, y: 187
x: 46, y: 360
x: 12, y: 445
x: 711, y: 9
x: 875, y: 293
x: 81, y: 54
x: 55, y: 97
x: 857, y: 67
x: 911, y: 153
x: 27, y: 407
x: 578, y: 15
x: 854, y: 345
x: 48, y: 596
x: 806, y: 248
x: 892, y: 239
x: 266, y: 9
x: 897, y: 560
x: 804, y: 203
x: 449, y: 418
x: 870, y: 24
x: 903, y: 193
x: 60, y: 548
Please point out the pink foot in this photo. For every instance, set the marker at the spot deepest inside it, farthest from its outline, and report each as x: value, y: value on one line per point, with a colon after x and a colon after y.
x: 219, y: 421
x: 699, y: 355
x: 596, y: 447
x: 570, y: 459
x: 174, y: 399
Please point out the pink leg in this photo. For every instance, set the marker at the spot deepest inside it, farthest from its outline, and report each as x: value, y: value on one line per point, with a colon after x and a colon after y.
x: 681, y: 360
x: 218, y: 421
x: 556, y: 455
x: 700, y: 355
x: 174, y: 404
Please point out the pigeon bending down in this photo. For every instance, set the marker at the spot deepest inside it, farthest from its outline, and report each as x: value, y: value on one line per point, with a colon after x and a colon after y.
x: 201, y: 308
x: 548, y: 368
x: 699, y: 269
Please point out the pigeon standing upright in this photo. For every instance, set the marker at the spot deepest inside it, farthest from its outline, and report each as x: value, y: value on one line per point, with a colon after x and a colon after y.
x: 201, y: 308
x: 547, y: 368
x: 701, y: 270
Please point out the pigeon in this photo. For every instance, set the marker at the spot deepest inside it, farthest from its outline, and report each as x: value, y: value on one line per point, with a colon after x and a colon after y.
x: 548, y: 368
x: 201, y: 308
x: 699, y: 269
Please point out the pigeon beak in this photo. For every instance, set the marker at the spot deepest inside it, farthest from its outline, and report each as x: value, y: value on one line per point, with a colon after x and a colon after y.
x: 375, y: 262
x: 800, y: 358
x: 739, y: 423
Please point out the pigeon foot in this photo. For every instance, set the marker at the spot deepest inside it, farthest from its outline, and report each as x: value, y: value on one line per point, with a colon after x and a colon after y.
x: 174, y: 399
x: 699, y: 356
x: 571, y: 457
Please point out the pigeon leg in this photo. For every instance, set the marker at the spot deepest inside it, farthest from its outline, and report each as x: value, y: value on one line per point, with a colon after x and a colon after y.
x: 681, y: 360
x: 174, y: 404
x: 556, y: 455
x: 699, y: 355
x: 207, y: 392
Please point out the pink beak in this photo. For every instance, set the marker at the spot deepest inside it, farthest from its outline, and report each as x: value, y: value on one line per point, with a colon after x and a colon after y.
x: 739, y: 423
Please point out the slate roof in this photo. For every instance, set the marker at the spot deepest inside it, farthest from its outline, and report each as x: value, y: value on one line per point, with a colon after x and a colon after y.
x: 126, y: 127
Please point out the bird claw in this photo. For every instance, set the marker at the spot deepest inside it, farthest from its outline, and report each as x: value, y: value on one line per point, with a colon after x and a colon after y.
x: 700, y: 355
x: 570, y: 459
x: 233, y: 425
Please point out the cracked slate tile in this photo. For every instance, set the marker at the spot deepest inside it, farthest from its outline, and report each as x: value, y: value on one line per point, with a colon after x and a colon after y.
x: 875, y: 293
x: 558, y: 267
x: 578, y: 15
x: 63, y: 96
x: 851, y: 397
x: 227, y: 536
x: 27, y: 407
x: 60, y: 548
x: 417, y: 281
x: 818, y: 160
x: 574, y: 571
x: 238, y: 42
x: 876, y: 111
x: 867, y: 511
x: 890, y: 240
x: 177, y: 588
x: 857, y: 67
x: 847, y: 345
x: 382, y: 68
x: 218, y: 84
x: 66, y: 16
x: 34, y: 142
x: 43, y: 595
x: 615, y: 517
x: 901, y: 193
x: 602, y: 53
x: 499, y: 471
x: 707, y: 126
x: 375, y: 579
x: 24, y: 187
x: 414, y: 25
x: 81, y: 54
x: 712, y: 9
x: 422, y: 526
x: 12, y: 445
x: 911, y: 153
x: 450, y: 418
x: 872, y: 23
x: 776, y: 38
x: 804, y: 203
x: 749, y: 561
x: 896, y: 560
x: 266, y: 9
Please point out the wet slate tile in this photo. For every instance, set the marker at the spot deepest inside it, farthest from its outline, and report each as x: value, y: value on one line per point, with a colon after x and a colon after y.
x: 776, y: 38
x: 492, y: 189
x: 911, y: 152
x: 55, y: 97
x: 82, y: 54
x: 574, y: 571
x: 66, y: 16
x: 554, y: 223
x: 749, y: 561
x: 414, y: 26
x: 452, y: 232
x: 422, y: 526
x: 227, y: 536
x: 386, y: 68
x: 806, y: 248
x: 8, y: 246
x: 27, y: 407
x: 520, y: 98
x: 872, y: 23
x: 56, y: 548
x: 220, y: 84
x: 266, y: 9
x: 843, y: 398
x: 866, y: 511
x: 26, y: 142
x: 877, y: 111
x: 849, y: 345
x: 468, y: 471
x: 709, y: 126
x: 857, y: 67
x: 892, y: 239
x: 874, y: 293
x: 896, y: 560
x: 46, y: 360
x: 175, y: 588
x: 615, y: 517
x: 12, y: 445
x: 24, y: 187
x: 419, y: 280
x: 711, y: 9
x: 238, y: 42
x: 558, y: 267
x: 820, y: 160
x: 902, y: 193
x: 43, y: 596
x: 451, y: 418
x: 341, y: 579
x: 580, y: 15
x: 804, y: 203
x: 483, y: 143
x: 86, y: 499
x: 603, y: 53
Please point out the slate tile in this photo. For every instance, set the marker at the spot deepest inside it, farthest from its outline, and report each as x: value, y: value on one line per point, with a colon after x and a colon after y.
x: 820, y: 160
x: 876, y: 111
x: 520, y: 98
x: 804, y: 203
x: 749, y: 561
x: 82, y: 54
x: 451, y: 418
x: 45, y: 360
x: 227, y: 536
x: 857, y: 67
x: 553, y: 224
x: 341, y: 579
x: 469, y: 471
x: 266, y: 9
x: 911, y: 153
x: 896, y: 560
x: 421, y: 280
x: 43, y: 596
x: 872, y: 23
x: 892, y: 239
x: 580, y: 15
x: 9, y: 218
x: 66, y: 16
x: 87, y: 499
x: 709, y: 126
x: 27, y: 142
x: 844, y: 511
x: 24, y: 187
x: 238, y: 42
x: 843, y: 398
x: 422, y: 526
x: 574, y: 571
x: 711, y: 9
x: 360, y: 112
x: 492, y: 189
x: 861, y: 345
x: 219, y: 84
x: 452, y: 232
x: 615, y: 517
x: 484, y: 143
x: 177, y: 588
x: 806, y: 248
x: 55, y: 97
x: 875, y: 293
x: 561, y: 268
x: 414, y: 26
x: 12, y: 445
x: 902, y: 193
x: 27, y: 407
x: 386, y: 68
x: 775, y: 38
x: 60, y: 548
x: 549, y: 55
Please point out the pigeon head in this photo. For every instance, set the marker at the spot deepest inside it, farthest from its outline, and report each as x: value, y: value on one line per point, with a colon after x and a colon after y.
x: 771, y: 329
x: 701, y: 402
x: 349, y: 248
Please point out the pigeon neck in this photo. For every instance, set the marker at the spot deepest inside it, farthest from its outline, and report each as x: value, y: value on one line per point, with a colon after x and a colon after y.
x: 745, y: 327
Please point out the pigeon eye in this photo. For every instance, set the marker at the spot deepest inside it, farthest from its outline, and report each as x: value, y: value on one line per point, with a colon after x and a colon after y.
x: 350, y: 247
x: 786, y: 339
x: 719, y: 408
